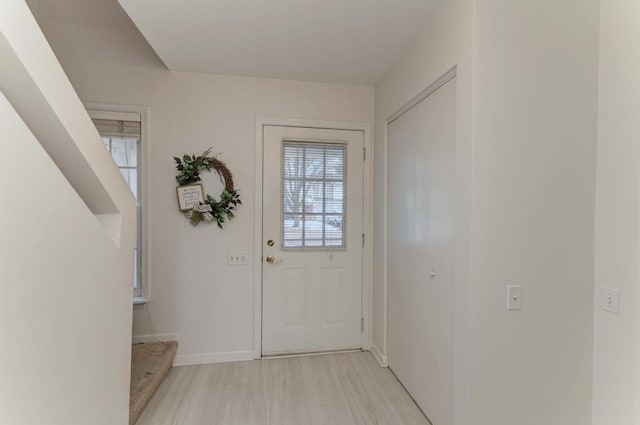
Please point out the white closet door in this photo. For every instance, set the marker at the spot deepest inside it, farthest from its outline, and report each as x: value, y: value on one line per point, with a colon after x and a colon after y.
x: 421, y: 238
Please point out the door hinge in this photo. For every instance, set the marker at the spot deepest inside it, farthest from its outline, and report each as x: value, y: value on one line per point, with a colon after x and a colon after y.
x: 364, y: 154
x: 362, y: 324
x: 363, y: 239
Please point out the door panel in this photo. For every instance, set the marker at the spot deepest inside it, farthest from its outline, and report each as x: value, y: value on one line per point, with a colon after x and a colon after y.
x: 295, y: 297
x: 312, y: 213
x: 421, y: 242
x: 331, y: 297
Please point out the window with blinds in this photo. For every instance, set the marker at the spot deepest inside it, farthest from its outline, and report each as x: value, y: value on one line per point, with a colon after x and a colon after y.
x: 313, y: 176
x: 121, y: 135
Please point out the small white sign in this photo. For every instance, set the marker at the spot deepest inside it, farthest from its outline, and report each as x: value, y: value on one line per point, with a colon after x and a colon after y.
x: 190, y: 196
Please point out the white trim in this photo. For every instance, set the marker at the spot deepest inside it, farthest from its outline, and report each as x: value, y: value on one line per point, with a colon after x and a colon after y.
x: 385, y: 248
x: 148, y: 338
x: 636, y: 312
x: 209, y: 358
x: 367, y: 223
x: 381, y: 358
x: 143, y: 114
x: 432, y: 88
x: 257, y: 257
x: 367, y: 250
x: 319, y: 353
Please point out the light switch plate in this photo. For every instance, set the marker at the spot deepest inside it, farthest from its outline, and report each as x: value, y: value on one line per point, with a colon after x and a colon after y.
x: 514, y: 297
x: 239, y: 258
x: 610, y: 300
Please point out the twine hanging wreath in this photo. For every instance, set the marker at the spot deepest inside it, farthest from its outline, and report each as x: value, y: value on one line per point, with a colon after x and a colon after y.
x: 209, y: 209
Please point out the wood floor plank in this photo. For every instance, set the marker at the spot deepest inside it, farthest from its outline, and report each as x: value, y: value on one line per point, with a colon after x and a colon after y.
x: 326, y: 400
x: 330, y: 389
x: 166, y: 401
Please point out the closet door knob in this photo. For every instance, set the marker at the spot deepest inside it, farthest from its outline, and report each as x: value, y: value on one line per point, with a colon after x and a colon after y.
x: 433, y: 274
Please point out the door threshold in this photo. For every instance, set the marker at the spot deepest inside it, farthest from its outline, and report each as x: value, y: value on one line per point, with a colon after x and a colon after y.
x: 313, y: 353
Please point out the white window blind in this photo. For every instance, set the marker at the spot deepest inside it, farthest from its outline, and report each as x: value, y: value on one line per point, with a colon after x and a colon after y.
x: 313, y: 192
x: 117, y: 128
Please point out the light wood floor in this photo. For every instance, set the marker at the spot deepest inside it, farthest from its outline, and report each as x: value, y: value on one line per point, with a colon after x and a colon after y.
x: 330, y: 389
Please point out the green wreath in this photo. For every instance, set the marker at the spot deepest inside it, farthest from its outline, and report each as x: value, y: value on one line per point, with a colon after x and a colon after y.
x: 211, y: 209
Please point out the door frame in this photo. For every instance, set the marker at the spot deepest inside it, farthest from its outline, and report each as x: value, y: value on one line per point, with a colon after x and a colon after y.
x: 367, y: 218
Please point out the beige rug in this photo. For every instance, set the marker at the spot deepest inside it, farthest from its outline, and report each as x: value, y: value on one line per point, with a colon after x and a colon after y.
x: 150, y: 363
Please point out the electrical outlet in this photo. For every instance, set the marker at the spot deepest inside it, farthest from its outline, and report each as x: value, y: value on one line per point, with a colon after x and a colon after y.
x: 610, y: 300
x: 239, y: 258
x: 514, y: 297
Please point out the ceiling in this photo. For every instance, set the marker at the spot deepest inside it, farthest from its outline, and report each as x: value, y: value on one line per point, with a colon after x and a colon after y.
x: 96, y: 13
x: 339, y: 41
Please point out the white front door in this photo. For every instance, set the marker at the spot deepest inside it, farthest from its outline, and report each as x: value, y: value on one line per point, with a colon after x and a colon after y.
x: 312, y: 240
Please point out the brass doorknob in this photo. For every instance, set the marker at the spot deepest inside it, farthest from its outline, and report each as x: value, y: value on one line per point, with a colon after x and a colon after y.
x: 271, y: 259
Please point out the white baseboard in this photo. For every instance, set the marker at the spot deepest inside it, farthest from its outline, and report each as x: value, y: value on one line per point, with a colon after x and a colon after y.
x: 381, y: 358
x: 230, y: 356
x: 148, y: 338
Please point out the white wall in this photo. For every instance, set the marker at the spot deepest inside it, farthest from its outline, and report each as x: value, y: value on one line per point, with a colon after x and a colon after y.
x: 446, y: 42
x: 194, y: 294
x: 65, y: 249
x: 527, y: 114
x: 616, y: 393
x: 534, y: 147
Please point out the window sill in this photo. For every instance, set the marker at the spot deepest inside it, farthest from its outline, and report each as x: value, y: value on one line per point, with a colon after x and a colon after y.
x: 139, y: 301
